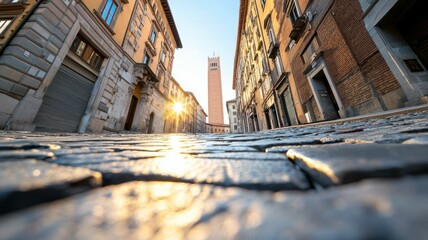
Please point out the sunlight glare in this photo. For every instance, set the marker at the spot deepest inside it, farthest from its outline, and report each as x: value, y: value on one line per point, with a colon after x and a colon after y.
x: 178, y: 107
x: 174, y: 161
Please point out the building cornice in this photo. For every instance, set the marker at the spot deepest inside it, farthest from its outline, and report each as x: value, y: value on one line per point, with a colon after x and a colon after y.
x: 171, y: 23
x: 243, y: 8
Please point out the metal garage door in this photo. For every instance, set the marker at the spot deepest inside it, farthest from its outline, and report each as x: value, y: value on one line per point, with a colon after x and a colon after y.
x: 64, y: 102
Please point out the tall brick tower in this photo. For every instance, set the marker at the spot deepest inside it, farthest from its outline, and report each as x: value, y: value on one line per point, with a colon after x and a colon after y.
x: 215, y: 98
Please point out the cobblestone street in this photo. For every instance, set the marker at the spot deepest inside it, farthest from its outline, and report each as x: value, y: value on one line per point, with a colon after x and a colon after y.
x: 364, y: 179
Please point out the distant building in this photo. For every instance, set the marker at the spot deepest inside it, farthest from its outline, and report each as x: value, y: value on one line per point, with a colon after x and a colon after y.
x: 202, y: 120
x: 85, y: 66
x: 218, y: 128
x: 191, y: 118
x: 215, y: 97
x: 233, y: 116
x: 173, y: 120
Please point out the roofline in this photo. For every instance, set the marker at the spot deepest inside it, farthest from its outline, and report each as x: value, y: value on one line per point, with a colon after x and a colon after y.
x: 227, y: 104
x: 187, y: 93
x: 231, y: 100
x: 218, y: 124
x: 243, y: 8
x: 171, y: 22
x: 177, y: 83
x: 194, y: 97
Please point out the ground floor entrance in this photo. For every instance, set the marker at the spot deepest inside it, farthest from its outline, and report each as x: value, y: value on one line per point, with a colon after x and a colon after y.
x: 65, y: 101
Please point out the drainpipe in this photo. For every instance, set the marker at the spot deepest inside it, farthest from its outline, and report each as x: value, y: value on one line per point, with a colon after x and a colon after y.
x: 19, y: 27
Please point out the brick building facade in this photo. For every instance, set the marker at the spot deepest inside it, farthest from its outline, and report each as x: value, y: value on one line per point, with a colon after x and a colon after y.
x: 322, y: 64
x: 337, y: 68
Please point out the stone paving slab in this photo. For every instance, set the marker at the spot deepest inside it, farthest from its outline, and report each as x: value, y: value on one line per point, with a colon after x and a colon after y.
x: 10, y: 155
x: 255, y: 156
x: 341, y: 164
x: 24, y: 145
x: 138, y: 210
x: 252, y: 174
x: 27, y: 182
x: 417, y: 140
x: 262, y: 145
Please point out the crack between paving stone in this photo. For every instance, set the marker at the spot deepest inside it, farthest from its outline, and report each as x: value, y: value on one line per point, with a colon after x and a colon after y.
x: 313, y: 184
x: 110, y: 179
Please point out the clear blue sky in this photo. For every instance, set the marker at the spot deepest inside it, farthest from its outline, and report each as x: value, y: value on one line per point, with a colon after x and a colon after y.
x: 205, y: 27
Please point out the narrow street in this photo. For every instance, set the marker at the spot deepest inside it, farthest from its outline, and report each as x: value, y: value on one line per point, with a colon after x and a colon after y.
x: 363, y: 179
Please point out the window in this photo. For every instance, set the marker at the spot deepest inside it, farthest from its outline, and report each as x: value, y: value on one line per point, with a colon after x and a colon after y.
x: 233, y: 107
x: 109, y: 11
x: 278, y: 66
x: 161, y: 75
x: 153, y: 36
x: 294, y: 14
x: 4, y: 24
x: 166, y: 81
x: 264, y: 65
x: 147, y: 59
x: 271, y: 35
x: 214, y: 65
x: 9, y: 1
x: 163, y: 57
x: 87, y: 52
x: 263, y: 2
x: 252, y: 18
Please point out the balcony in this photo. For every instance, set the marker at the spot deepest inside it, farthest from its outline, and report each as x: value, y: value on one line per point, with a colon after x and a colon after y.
x: 144, y: 74
x: 273, y: 50
x: 298, y: 28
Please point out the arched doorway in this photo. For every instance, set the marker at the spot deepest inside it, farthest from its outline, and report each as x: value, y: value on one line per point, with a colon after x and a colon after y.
x: 150, y: 129
x: 133, y: 107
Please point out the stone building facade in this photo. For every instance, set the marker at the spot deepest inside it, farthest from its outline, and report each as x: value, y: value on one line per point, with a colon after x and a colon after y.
x: 89, y: 66
x: 202, y: 120
x: 233, y: 116
x: 301, y: 61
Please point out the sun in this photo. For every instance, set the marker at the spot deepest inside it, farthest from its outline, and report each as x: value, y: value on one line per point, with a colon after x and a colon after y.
x: 178, y: 107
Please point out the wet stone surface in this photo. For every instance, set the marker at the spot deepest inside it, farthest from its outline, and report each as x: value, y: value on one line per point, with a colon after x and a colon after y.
x: 365, y: 179
x: 28, y: 182
x: 262, y: 175
x: 139, y: 210
x: 339, y: 164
